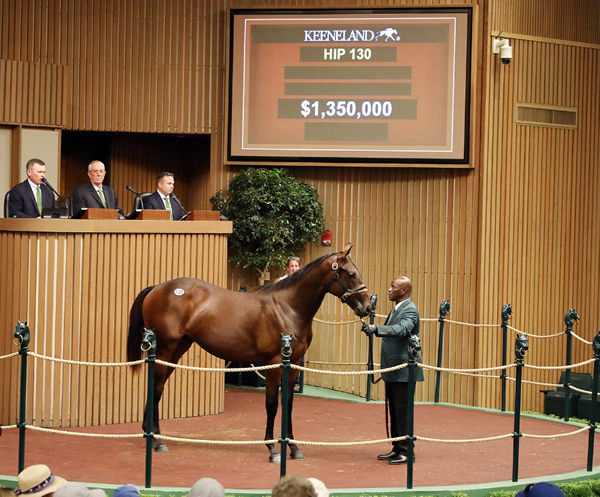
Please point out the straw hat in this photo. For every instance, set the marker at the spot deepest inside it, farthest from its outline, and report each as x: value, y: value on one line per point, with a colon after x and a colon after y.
x: 38, y: 480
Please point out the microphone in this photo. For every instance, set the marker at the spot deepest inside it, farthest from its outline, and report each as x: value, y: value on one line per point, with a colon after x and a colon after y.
x: 131, y: 190
x: 172, y: 195
x: 62, y: 197
x: 47, y: 183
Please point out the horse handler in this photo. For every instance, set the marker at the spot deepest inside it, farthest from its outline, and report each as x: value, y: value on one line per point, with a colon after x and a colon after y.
x: 400, y: 324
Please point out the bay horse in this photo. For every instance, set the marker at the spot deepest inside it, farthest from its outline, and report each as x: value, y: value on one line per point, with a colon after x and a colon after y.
x: 243, y: 327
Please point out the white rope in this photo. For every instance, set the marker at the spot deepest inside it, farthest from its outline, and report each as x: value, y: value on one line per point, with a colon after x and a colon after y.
x: 580, y: 339
x: 80, y: 434
x: 475, y: 370
x: 534, y: 335
x: 471, y: 440
x: 83, y: 363
x: 8, y: 356
x: 471, y: 324
x: 215, y: 442
x: 354, y: 321
x: 217, y: 370
x: 570, y: 366
x: 559, y: 435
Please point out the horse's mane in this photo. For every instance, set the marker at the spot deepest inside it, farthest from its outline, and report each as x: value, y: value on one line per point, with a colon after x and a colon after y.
x: 291, y: 279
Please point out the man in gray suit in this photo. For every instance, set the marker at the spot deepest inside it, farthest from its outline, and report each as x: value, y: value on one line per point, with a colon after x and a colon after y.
x: 401, y: 322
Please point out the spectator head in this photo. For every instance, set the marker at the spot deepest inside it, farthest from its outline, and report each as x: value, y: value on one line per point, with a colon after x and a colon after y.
x: 541, y: 489
x: 126, y: 491
x: 207, y: 487
x: 293, y: 486
x: 72, y: 489
x: 320, y: 487
x: 38, y: 480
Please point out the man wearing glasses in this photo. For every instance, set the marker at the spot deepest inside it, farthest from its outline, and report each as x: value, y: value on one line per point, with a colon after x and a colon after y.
x: 94, y: 194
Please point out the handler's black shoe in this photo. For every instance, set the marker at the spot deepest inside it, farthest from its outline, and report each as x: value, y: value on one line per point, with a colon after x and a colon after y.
x: 389, y: 456
x: 401, y: 459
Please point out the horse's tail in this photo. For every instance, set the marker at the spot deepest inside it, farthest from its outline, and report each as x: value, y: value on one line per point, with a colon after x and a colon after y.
x: 136, y: 327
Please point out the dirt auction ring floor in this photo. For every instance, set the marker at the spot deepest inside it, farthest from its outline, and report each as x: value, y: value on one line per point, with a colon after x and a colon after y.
x: 444, y: 465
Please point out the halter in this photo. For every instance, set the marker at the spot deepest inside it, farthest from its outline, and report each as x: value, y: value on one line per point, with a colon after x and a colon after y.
x: 349, y: 292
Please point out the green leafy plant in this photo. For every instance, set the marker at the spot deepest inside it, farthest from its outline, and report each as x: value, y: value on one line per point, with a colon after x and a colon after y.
x: 273, y: 214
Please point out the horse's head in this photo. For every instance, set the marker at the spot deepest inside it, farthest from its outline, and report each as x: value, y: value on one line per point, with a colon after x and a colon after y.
x: 347, y: 284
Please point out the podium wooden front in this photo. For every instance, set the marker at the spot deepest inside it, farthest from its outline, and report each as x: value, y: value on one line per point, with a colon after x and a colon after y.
x: 74, y: 281
x: 153, y: 215
x: 93, y: 213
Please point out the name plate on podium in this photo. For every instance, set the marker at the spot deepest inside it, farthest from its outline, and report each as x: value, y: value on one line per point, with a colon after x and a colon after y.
x: 154, y: 215
x: 100, y: 214
x: 203, y: 216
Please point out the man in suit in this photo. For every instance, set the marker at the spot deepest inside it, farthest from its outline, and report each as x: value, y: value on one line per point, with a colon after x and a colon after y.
x: 94, y: 194
x: 164, y: 198
x: 27, y: 199
x: 402, y: 322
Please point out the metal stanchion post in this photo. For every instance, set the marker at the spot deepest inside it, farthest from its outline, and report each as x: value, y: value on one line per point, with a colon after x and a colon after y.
x: 286, y: 352
x: 444, y: 309
x: 149, y: 345
x: 506, y: 314
x: 596, y: 347
x: 521, y: 347
x: 414, y: 347
x: 22, y: 334
x: 570, y: 316
x: 370, y: 363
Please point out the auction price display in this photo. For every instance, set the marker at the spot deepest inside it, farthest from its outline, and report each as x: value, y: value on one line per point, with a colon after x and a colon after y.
x: 352, y: 86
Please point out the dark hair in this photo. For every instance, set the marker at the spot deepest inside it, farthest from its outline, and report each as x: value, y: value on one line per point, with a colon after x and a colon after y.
x: 163, y: 174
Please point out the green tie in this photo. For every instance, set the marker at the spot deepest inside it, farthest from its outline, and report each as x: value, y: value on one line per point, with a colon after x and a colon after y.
x: 102, y: 198
x: 38, y: 198
x: 168, y: 204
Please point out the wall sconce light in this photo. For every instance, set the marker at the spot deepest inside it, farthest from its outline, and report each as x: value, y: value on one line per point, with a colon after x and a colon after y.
x: 504, y: 49
x: 326, y: 238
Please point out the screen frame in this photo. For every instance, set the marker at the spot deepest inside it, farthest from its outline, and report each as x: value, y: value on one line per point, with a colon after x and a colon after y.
x: 232, y: 158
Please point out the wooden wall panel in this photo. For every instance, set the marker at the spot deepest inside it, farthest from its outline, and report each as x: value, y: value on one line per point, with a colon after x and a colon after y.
x: 518, y: 228
x: 75, y: 291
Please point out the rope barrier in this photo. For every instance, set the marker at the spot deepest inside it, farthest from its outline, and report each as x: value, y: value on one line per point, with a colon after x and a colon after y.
x: 83, y: 363
x: 469, y: 371
x: 534, y: 335
x: 8, y: 356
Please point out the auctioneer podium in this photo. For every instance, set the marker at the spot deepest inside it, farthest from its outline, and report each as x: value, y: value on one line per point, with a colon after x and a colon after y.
x: 74, y: 281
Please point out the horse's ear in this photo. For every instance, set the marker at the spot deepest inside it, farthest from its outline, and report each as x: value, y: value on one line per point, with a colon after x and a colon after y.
x: 346, y: 250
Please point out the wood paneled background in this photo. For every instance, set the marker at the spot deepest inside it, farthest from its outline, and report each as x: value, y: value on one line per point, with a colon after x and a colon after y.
x: 519, y: 227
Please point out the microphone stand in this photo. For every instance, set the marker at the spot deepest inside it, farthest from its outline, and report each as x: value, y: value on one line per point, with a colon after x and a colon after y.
x: 62, y: 197
x: 172, y: 195
x: 133, y: 214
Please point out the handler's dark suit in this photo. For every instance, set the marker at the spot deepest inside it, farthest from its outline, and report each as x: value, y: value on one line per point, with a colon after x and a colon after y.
x: 155, y: 201
x: 86, y: 196
x: 399, y: 324
x: 22, y: 202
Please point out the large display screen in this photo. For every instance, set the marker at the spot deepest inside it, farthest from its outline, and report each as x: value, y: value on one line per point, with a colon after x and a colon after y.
x: 340, y: 86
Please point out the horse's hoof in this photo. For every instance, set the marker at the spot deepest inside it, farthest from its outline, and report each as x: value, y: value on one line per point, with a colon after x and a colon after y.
x: 275, y: 458
x: 297, y: 454
x: 161, y: 448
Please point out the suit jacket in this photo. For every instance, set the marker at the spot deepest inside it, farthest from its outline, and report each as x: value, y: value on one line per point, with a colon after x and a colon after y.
x: 155, y: 201
x: 85, y: 195
x: 22, y: 202
x: 395, y: 331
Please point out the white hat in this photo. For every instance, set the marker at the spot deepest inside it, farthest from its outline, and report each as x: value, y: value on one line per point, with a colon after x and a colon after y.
x: 319, y: 487
x: 207, y: 487
x: 38, y: 480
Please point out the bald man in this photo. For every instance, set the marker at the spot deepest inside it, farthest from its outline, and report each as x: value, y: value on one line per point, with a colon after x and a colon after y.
x: 401, y: 322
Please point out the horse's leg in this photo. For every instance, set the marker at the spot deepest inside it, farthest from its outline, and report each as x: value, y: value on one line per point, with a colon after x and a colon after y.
x: 161, y: 375
x: 295, y: 452
x: 272, y: 380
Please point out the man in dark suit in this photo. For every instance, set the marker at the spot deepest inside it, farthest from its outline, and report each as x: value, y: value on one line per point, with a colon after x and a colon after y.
x: 27, y: 199
x: 401, y: 322
x: 164, y: 198
x: 94, y: 194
